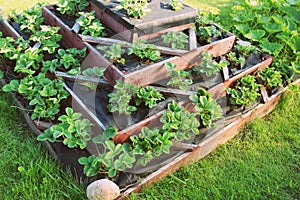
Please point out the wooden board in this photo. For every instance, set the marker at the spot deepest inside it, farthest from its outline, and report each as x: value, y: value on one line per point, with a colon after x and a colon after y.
x: 146, y: 28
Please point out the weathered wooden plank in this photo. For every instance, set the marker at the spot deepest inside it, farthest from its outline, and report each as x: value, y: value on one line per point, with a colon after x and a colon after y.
x: 8, y: 30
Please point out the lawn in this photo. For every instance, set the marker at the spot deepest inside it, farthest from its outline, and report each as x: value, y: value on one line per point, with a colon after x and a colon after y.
x: 262, y: 162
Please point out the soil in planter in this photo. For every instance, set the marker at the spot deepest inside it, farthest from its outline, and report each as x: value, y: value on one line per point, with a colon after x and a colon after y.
x: 201, y: 42
x: 250, y: 61
x: 97, y: 102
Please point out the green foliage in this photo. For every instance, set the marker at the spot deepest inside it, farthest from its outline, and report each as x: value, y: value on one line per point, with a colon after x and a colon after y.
x: 31, y: 19
x: 114, y: 158
x: 245, y: 50
x: 143, y: 50
x: 150, y: 144
x: 43, y: 94
x: 120, y: 98
x: 234, y: 59
x: 208, y: 65
x: 90, y: 25
x: 29, y: 61
x: 244, y: 92
x: 48, y: 37
x: 124, y: 93
x: 177, y: 39
x: 12, y: 48
x: 179, y: 78
x: 275, y: 27
x: 94, y: 72
x: 71, y: 7
x: 66, y: 60
x: 114, y: 52
x: 206, y: 107
x: 73, y: 131
x: 134, y: 8
x: 148, y: 95
x: 179, y: 123
x: 205, y: 30
x: 270, y: 77
x: 176, y: 5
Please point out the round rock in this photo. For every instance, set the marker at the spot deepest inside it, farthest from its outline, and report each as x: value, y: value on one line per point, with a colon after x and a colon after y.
x: 102, y: 189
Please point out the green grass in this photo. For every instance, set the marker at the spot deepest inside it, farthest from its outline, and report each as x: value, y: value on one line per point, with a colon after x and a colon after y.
x: 262, y: 162
x: 27, y: 171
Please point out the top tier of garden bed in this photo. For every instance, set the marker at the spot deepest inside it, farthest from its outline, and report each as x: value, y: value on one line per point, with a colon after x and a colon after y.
x: 150, y: 25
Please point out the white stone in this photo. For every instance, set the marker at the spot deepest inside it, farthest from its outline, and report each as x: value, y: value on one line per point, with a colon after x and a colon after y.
x: 102, y: 189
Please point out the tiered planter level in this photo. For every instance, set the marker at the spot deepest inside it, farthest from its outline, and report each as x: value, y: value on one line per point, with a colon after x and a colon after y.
x: 191, y: 58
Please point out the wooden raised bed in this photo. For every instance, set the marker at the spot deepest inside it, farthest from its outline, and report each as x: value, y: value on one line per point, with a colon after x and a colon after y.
x: 151, y: 26
x: 155, y: 72
x: 209, y: 143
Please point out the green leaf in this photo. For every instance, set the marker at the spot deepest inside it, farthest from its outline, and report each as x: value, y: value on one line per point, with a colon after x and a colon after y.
x: 272, y: 28
x: 271, y: 47
x: 243, y: 28
x: 255, y: 35
x: 110, y: 132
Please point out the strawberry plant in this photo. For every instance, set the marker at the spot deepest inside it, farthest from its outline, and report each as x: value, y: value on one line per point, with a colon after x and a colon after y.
x: 270, y: 77
x: 66, y: 59
x: 176, y: 5
x: 206, y: 107
x: 31, y: 19
x: 150, y: 144
x: 208, y: 65
x: 245, y: 91
x: 245, y: 50
x: 112, y: 159
x: 90, y: 25
x: 29, y: 61
x: 72, y: 131
x: 94, y: 72
x: 43, y: 94
x: 234, y: 60
x: 124, y: 93
x: 71, y: 7
x: 114, y: 52
x: 205, y: 30
x: 134, y: 8
x: 177, y: 39
x: 178, y: 77
x: 143, y: 50
x: 148, y: 95
x: 48, y: 37
x: 120, y: 98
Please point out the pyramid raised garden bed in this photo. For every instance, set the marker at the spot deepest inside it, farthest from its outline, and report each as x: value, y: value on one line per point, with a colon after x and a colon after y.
x: 152, y: 99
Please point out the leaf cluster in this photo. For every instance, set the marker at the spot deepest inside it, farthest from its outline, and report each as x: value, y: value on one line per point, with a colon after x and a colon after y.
x: 273, y: 25
x: 113, y: 158
x: 71, y: 7
x: 42, y: 93
x: 30, y: 19
x: 72, y: 130
x: 270, y: 77
x: 208, y: 65
x: 178, y: 77
x: 206, y: 107
x: 120, y: 99
x: 245, y: 92
x: 134, y: 8
x: 177, y: 39
x: 90, y: 25
x: 143, y: 50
